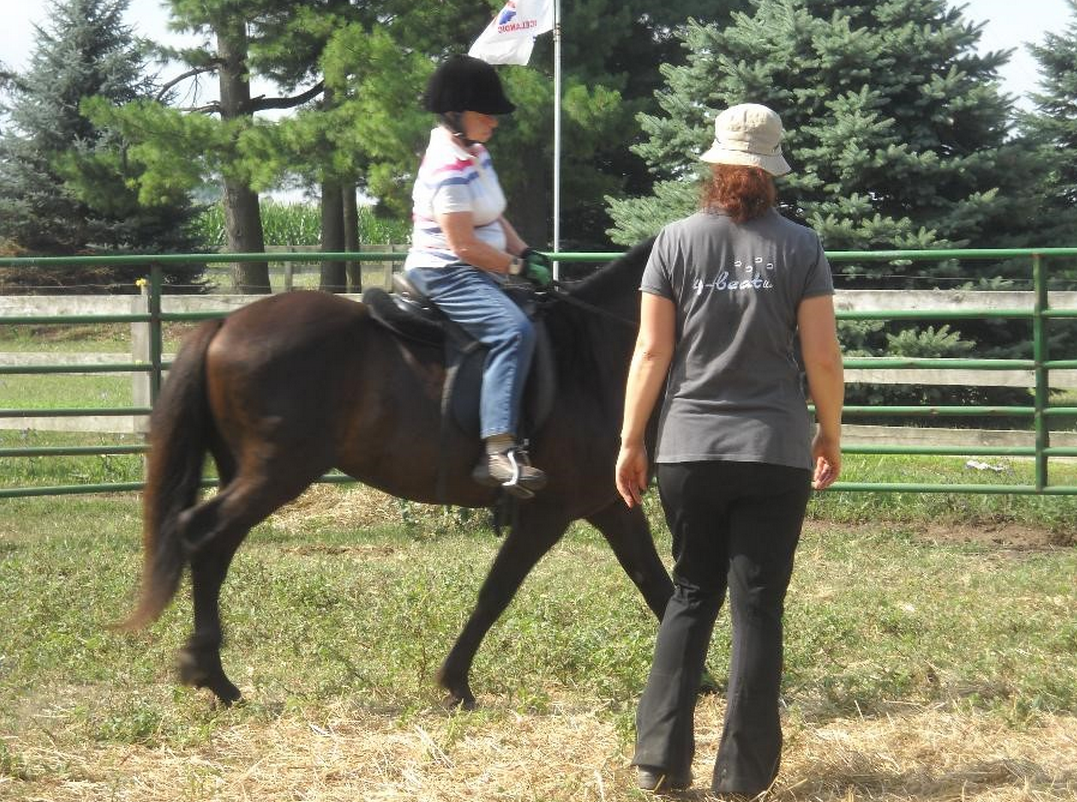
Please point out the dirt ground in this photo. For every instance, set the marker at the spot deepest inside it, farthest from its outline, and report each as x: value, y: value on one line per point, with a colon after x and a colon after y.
x: 364, y: 507
x: 1018, y: 537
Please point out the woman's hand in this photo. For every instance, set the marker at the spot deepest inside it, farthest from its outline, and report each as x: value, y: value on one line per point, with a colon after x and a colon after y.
x: 631, y: 473
x: 826, y: 452
x: 826, y: 382
x: 646, y: 375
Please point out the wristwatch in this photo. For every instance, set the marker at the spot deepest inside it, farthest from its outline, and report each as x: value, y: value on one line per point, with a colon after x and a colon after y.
x: 516, y: 266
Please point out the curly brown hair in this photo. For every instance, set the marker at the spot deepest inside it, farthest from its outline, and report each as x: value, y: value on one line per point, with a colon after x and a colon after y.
x: 744, y: 193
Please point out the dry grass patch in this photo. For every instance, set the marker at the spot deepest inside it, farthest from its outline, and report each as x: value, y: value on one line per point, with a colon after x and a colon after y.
x: 356, y: 507
x: 941, y: 756
x: 565, y: 755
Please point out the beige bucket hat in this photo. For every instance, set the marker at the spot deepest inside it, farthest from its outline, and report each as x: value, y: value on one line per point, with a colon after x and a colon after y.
x: 748, y: 134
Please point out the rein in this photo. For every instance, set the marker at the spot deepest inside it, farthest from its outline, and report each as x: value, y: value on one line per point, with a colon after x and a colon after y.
x: 557, y: 291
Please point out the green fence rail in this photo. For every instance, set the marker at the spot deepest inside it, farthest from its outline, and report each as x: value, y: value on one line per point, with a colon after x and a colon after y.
x: 1040, y: 411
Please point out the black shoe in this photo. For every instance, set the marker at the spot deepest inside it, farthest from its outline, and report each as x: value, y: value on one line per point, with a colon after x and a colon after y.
x: 511, y: 470
x: 652, y: 778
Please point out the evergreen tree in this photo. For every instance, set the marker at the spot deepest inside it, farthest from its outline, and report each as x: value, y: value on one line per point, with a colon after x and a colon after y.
x: 895, y: 126
x: 366, y: 129
x: 611, y: 53
x: 65, y: 183
x: 1054, y: 129
x: 899, y: 138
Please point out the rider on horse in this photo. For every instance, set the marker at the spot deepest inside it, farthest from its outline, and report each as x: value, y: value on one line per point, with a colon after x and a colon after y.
x: 463, y: 250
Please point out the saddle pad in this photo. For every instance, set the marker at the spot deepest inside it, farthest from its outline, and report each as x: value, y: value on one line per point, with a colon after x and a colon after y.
x: 539, y: 392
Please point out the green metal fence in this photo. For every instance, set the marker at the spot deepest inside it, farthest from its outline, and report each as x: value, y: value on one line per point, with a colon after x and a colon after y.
x: 1040, y: 412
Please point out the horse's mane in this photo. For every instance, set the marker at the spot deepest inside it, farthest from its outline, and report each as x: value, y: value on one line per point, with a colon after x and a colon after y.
x: 617, y: 277
x: 613, y: 288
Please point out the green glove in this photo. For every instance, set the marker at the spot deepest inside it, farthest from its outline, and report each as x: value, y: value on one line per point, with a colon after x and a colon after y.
x: 537, y: 268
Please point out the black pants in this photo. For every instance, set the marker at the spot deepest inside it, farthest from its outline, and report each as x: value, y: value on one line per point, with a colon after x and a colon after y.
x: 735, y: 525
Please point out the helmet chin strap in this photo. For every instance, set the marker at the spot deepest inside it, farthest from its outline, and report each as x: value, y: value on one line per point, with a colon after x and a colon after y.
x: 453, y: 120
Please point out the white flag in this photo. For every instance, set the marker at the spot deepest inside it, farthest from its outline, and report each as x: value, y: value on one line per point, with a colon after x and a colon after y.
x: 511, y: 36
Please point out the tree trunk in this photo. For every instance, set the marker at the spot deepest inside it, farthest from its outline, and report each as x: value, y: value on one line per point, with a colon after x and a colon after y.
x: 333, y: 275
x: 242, y: 215
x: 351, y: 237
x: 243, y: 225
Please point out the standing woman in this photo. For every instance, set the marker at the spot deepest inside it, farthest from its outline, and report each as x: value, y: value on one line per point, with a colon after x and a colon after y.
x: 462, y: 250
x: 724, y: 295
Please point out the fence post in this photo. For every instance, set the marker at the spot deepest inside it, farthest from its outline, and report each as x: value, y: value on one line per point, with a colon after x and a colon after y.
x: 141, y: 383
x: 1040, y: 356
x: 156, y: 337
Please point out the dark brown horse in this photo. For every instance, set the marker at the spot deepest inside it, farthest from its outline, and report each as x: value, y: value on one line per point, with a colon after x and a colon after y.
x: 290, y: 386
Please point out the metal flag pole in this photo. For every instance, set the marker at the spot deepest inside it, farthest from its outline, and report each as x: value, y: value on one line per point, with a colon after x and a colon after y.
x: 557, y: 135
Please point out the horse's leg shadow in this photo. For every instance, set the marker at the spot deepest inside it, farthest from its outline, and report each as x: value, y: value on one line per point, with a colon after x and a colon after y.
x: 214, y: 531
x: 629, y: 535
x: 536, y: 531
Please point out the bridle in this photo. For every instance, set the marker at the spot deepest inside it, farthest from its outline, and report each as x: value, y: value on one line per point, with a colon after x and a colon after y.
x: 557, y: 291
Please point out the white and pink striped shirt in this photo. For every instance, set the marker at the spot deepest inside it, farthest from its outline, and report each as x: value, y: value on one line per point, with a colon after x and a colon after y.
x: 453, y: 179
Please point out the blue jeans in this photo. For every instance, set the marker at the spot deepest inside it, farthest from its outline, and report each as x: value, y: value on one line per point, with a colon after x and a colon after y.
x: 474, y: 300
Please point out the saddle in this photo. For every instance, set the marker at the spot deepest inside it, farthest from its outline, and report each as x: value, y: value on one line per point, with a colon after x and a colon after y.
x: 410, y: 315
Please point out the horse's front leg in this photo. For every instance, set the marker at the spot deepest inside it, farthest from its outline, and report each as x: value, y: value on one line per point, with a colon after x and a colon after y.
x: 535, y: 534
x: 629, y: 535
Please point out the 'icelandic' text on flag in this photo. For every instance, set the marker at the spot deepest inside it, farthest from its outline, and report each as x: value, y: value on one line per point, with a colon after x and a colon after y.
x: 509, y: 38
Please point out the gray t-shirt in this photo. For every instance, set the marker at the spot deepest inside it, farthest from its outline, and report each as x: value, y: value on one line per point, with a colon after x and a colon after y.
x: 734, y: 389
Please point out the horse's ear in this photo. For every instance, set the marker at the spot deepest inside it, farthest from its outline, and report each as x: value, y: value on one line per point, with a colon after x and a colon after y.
x: 640, y: 252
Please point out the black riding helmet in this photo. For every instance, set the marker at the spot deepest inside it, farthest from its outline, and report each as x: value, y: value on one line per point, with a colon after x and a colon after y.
x: 465, y: 83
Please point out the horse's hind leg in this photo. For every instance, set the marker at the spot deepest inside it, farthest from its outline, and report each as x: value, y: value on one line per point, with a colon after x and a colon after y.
x: 629, y: 535
x: 215, y: 530
x: 532, y: 537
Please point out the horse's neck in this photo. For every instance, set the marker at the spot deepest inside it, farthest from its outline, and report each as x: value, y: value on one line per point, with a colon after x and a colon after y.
x: 613, y: 337
x: 611, y: 329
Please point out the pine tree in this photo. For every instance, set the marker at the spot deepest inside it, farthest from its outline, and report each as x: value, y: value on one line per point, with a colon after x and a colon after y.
x: 895, y: 127
x: 899, y: 138
x: 64, y: 183
x: 1054, y: 129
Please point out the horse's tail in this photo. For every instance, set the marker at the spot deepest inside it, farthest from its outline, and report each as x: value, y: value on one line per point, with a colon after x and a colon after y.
x: 180, y: 427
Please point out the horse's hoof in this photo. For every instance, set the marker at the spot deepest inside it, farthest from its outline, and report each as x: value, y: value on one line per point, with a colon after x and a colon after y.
x: 193, y: 671
x: 460, y: 694
x: 461, y: 702
x: 227, y: 693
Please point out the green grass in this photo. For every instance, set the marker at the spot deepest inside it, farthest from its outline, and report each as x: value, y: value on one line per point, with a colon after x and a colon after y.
x: 63, y: 391
x: 874, y: 615
x: 879, y: 615
x: 1053, y: 513
x: 45, y: 471
x: 66, y: 338
x: 330, y: 625
x: 1056, y: 513
x: 78, y: 338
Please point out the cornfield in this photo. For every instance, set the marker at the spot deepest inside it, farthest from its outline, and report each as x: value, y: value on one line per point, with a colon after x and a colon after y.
x: 299, y: 224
